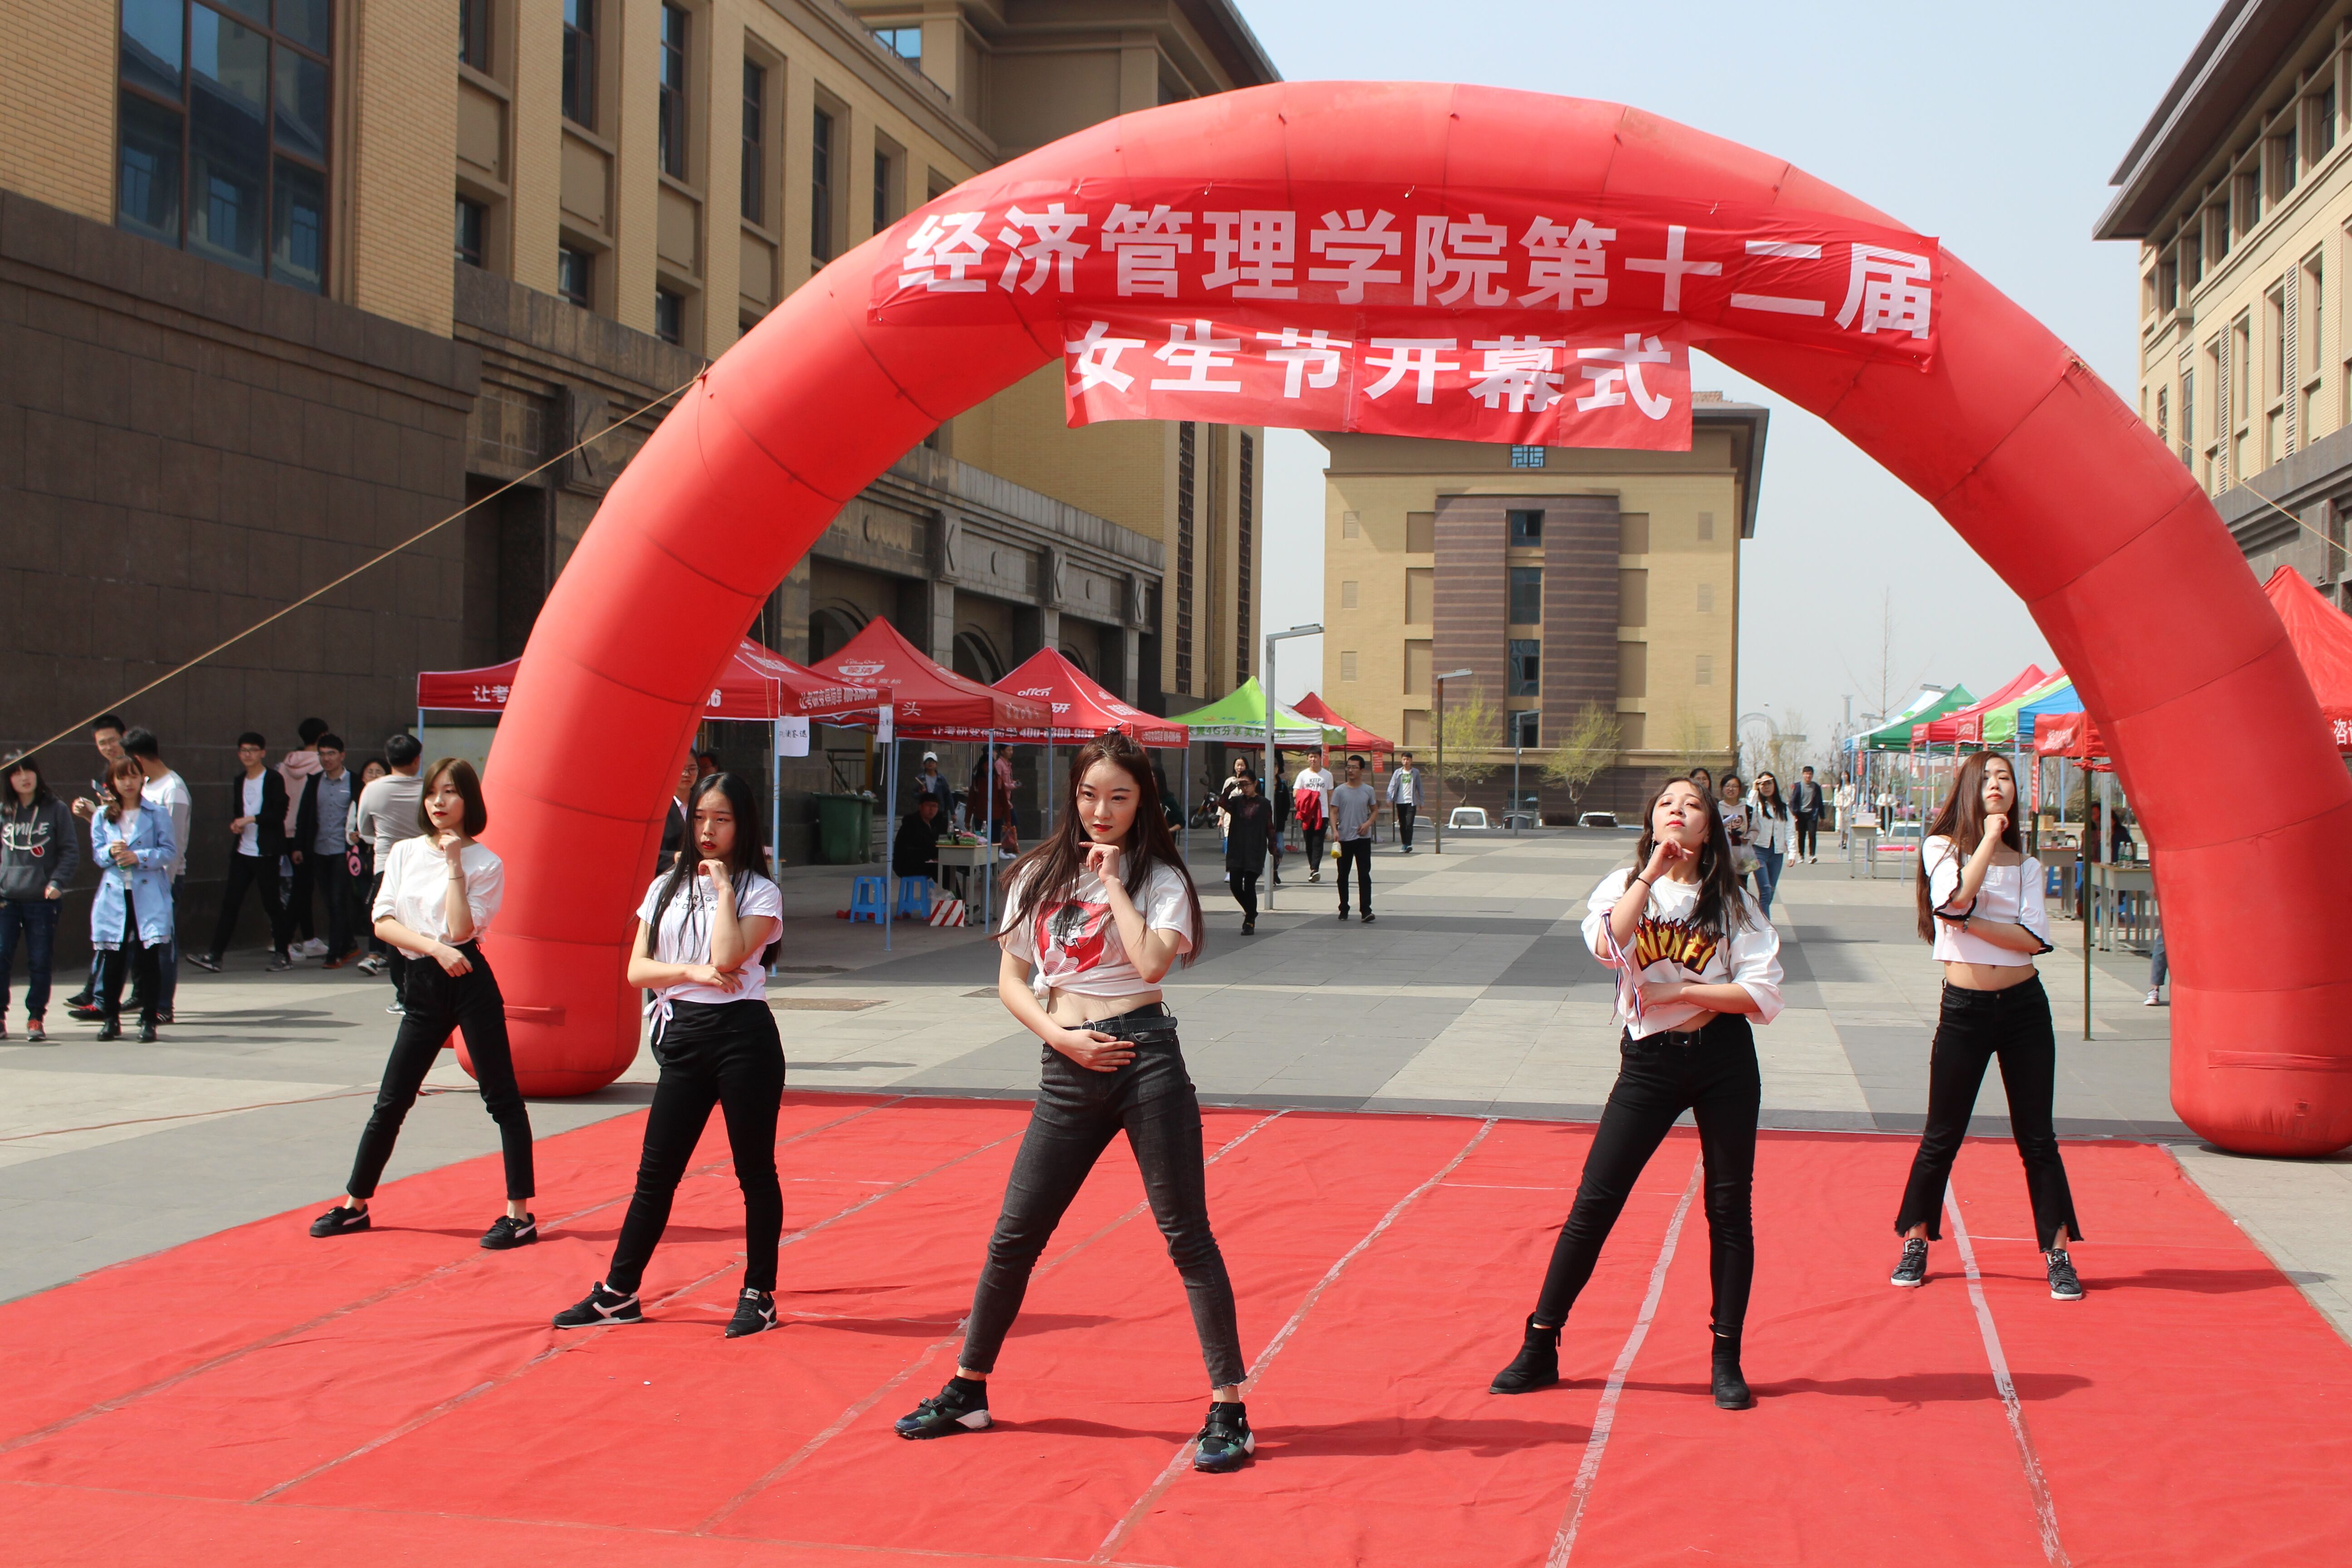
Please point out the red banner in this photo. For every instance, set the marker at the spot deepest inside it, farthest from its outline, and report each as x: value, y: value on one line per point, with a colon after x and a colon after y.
x: 1485, y: 315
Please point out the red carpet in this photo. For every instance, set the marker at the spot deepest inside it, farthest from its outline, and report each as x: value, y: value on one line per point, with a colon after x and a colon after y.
x: 399, y: 1397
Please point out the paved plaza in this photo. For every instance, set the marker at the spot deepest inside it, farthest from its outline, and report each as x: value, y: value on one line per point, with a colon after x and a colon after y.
x: 1470, y: 994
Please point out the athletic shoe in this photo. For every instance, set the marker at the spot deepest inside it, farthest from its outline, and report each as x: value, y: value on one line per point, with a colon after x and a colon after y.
x: 371, y: 964
x: 339, y: 1221
x: 600, y: 1306
x: 1249, y: 928
x: 313, y: 948
x: 1224, y: 1441
x: 280, y: 963
x: 83, y: 1012
x: 507, y: 1233
x: 396, y: 1009
x: 755, y: 1313
x: 3, y: 1027
x: 961, y: 1406
x: 205, y: 962
x: 34, y: 1034
x: 80, y: 999
x: 1316, y: 875
x: 1368, y: 917
x: 1912, y: 1272
x: 1344, y: 912
x: 2064, y: 1285
x: 2154, y: 999
x: 336, y: 963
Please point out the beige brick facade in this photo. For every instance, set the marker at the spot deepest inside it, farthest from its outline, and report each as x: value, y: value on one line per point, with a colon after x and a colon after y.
x: 56, y: 103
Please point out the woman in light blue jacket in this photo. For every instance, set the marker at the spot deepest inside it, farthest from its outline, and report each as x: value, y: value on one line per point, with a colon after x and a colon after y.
x: 131, y: 915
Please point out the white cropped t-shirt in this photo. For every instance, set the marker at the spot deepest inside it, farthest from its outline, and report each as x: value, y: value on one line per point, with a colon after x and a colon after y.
x: 1669, y: 945
x: 684, y: 934
x: 1075, y: 945
x: 2010, y: 894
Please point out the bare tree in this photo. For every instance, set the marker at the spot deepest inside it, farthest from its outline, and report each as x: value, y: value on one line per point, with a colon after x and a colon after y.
x: 1592, y: 743
x: 1474, y: 735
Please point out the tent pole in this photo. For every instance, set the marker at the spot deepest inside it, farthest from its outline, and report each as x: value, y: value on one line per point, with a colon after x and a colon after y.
x: 988, y: 857
x: 890, y: 834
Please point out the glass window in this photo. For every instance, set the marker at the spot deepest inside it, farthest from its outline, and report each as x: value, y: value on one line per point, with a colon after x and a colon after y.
x: 147, y: 194
x: 2322, y: 123
x: 669, y: 316
x: 1527, y: 528
x: 575, y: 275
x: 821, y: 189
x: 297, y: 226
x: 580, y: 63
x: 310, y: 23
x: 1526, y: 725
x: 755, y: 143
x: 671, y: 107
x: 1527, y: 596
x: 151, y: 45
x: 228, y: 148
x: 473, y: 34
x: 301, y: 110
x: 907, y: 43
x: 471, y: 216
x: 1526, y: 456
x: 1526, y: 666
x: 881, y: 191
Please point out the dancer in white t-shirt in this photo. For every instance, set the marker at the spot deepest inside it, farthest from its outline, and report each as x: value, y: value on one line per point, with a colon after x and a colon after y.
x: 703, y: 930
x: 1093, y: 916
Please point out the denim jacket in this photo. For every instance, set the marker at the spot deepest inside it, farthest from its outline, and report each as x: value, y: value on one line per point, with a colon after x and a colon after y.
x: 151, y: 884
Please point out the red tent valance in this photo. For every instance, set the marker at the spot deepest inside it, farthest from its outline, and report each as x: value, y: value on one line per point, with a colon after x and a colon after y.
x: 930, y: 701
x: 1081, y: 708
x: 1967, y: 724
x: 757, y: 684
x: 1358, y: 740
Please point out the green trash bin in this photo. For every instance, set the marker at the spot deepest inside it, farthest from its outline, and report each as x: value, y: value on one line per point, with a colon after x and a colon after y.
x: 845, y: 829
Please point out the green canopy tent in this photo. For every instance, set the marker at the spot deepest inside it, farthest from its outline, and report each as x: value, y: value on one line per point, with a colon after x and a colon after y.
x: 1930, y: 705
x: 1240, y: 715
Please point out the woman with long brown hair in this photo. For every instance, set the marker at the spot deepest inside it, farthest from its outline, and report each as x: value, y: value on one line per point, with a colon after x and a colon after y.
x: 1695, y: 960
x: 1980, y: 902
x: 1095, y: 916
x: 132, y: 916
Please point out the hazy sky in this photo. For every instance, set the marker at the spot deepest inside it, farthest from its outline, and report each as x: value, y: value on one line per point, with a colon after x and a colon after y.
x: 1994, y: 127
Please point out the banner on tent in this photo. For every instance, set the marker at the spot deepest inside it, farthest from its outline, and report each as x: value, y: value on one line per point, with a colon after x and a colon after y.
x: 1342, y: 306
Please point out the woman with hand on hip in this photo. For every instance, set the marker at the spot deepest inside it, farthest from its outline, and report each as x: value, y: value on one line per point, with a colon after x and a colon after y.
x: 440, y: 892
x: 1695, y: 960
x: 1980, y: 902
x: 703, y: 930
x: 1095, y: 916
x: 131, y: 915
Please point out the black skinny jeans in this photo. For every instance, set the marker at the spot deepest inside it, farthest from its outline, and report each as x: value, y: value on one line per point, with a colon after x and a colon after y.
x: 1314, y: 839
x: 142, y: 964
x: 1078, y: 1112
x: 1358, y: 851
x: 1973, y: 1027
x: 1405, y: 812
x: 1244, y: 887
x: 249, y: 873
x: 1716, y: 1080
x: 437, y: 1001
x: 726, y: 1053
x: 1808, y: 834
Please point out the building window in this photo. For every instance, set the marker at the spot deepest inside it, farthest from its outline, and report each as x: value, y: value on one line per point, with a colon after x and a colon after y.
x: 2164, y: 416
x: 1706, y: 525
x: 580, y: 63
x: 1348, y: 664
x: 471, y: 216
x: 669, y: 316
x: 1526, y: 727
x: 2321, y: 107
x: 1526, y: 666
x: 223, y: 130
x: 1527, y: 596
x: 907, y: 43
x: 1349, y: 595
x: 473, y: 34
x: 1527, y: 528
x: 1244, y: 527
x: 1351, y: 525
x: 1186, y: 445
x: 821, y: 189
x: 670, y: 108
x: 1526, y: 456
x: 2275, y: 317
x: 575, y: 275
x: 2188, y: 414
x: 755, y: 143
x: 882, y: 167
x: 1704, y: 675
x: 1707, y: 598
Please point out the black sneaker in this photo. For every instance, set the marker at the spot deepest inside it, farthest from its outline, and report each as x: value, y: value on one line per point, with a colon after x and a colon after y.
x: 205, y: 962
x: 85, y: 1013
x: 1368, y: 917
x: 507, y: 1232
x: 1249, y: 928
x: 600, y: 1306
x: 961, y: 1406
x: 279, y: 962
x: 2064, y: 1285
x: 1912, y: 1272
x: 1224, y: 1441
x: 339, y: 1221
x: 755, y: 1313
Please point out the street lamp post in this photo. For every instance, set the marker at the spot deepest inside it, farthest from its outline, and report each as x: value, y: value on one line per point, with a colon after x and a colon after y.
x: 1268, y: 786
x: 1437, y: 827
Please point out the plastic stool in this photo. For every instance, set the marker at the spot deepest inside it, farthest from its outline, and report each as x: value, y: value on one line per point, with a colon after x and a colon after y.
x: 914, y: 898
x: 866, y: 897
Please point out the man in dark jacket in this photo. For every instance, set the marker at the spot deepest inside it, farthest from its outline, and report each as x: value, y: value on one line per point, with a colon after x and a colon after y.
x: 1249, y: 826
x: 322, y: 841
x: 915, y: 848
x: 259, y: 830
x: 1805, y: 805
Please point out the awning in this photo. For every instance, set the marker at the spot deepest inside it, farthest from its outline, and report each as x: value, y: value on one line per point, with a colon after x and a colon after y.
x: 1894, y: 735
x: 930, y: 701
x: 758, y: 685
x: 2057, y: 702
x: 1082, y: 708
x: 2322, y: 635
x: 1240, y: 715
x: 2000, y: 724
x: 1358, y: 740
x: 1965, y: 726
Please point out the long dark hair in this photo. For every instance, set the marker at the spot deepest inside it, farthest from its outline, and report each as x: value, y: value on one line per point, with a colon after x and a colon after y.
x: 1721, y: 904
x: 1961, y: 819
x: 1049, y: 874
x: 28, y: 764
x: 1778, y: 804
x: 743, y: 861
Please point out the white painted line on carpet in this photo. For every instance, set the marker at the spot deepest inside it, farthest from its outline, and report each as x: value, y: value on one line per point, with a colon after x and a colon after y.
x: 2045, y: 1516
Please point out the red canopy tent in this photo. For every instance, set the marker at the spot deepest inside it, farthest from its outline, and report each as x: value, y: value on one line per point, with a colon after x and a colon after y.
x: 2322, y: 635
x: 757, y: 684
x: 1081, y: 708
x: 929, y: 702
x: 1358, y: 740
x: 1967, y: 724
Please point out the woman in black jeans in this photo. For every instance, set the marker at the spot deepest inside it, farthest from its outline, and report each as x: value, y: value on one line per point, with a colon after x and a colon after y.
x: 1093, y: 916
x: 440, y: 894
x: 1980, y: 902
x: 1695, y: 959
x: 703, y: 930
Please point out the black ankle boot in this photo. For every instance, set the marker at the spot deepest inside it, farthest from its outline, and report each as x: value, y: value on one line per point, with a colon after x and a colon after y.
x: 1730, y: 1387
x: 1536, y: 1367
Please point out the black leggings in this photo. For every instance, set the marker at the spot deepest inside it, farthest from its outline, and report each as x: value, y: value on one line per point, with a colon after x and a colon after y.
x: 1657, y: 1080
x: 1973, y: 1027
x: 437, y: 1001
x: 1078, y: 1112
x: 141, y: 964
x: 726, y: 1053
x: 1244, y: 887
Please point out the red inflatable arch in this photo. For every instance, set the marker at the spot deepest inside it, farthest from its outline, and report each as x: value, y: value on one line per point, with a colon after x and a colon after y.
x: 2044, y: 471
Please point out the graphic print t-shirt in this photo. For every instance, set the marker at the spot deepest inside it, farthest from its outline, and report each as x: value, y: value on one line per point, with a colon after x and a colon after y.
x: 1669, y: 944
x: 1075, y: 945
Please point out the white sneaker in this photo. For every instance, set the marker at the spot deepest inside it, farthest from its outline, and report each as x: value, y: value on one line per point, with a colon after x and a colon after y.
x: 2154, y: 999
x: 313, y: 948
